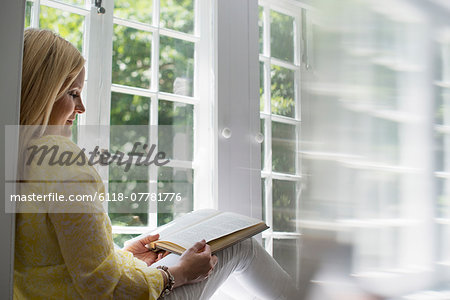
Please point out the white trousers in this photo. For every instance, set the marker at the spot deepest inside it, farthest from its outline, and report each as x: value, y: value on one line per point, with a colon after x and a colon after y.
x: 252, y: 269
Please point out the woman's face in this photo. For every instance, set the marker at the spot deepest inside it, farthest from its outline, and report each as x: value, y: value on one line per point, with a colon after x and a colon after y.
x: 67, y: 107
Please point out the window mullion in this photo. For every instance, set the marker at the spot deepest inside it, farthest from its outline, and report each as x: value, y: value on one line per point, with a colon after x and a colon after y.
x: 35, y: 13
x: 153, y: 171
x: 98, y: 48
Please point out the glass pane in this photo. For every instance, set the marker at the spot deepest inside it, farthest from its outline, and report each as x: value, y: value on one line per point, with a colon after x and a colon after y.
x: 129, y: 109
x: 28, y: 7
x: 67, y: 25
x: 75, y: 130
x: 443, y: 200
x: 177, y: 15
x: 284, y: 205
x: 122, y: 210
x: 261, y: 86
x: 444, y: 243
x: 286, y: 253
x: 282, y: 91
x: 443, y: 106
x: 261, y: 29
x: 175, y: 185
x: 442, y: 159
x: 377, y: 248
x: 119, y: 239
x: 137, y: 10
x: 73, y: 2
x: 176, y: 131
x: 282, y: 36
x: 176, y: 66
x: 385, y: 141
x: 131, y: 57
x: 385, y: 86
x: 283, y: 148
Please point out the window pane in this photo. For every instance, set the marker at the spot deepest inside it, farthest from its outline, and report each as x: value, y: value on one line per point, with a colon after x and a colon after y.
x: 443, y: 200
x: 136, y: 10
x: 67, y: 25
x: 176, y: 130
x: 73, y: 2
x: 176, y: 66
x: 177, y: 15
x: 386, y: 87
x: 286, y: 253
x: 127, y: 212
x: 281, y: 36
x: 284, y: 205
x: 444, y: 247
x: 180, y: 182
x: 129, y: 109
x: 443, y: 106
x: 283, y: 91
x: 377, y: 248
x: 28, y: 7
x: 131, y: 57
x: 119, y: 239
x: 75, y: 130
x: 385, y: 141
x: 283, y: 148
x: 442, y: 161
x: 262, y: 88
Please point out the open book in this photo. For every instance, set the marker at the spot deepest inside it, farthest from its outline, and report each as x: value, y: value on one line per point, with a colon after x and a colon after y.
x: 219, y: 229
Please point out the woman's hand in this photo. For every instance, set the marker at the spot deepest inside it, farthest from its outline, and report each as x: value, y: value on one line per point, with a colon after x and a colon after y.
x: 139, y: 249
x: 195, y: 264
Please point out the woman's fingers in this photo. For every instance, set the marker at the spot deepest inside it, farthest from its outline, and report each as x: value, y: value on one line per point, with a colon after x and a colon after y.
x: 197, y: 247
x: 150, y: 238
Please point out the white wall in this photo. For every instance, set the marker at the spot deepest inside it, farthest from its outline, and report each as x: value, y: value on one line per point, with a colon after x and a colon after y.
x: 11, y: 37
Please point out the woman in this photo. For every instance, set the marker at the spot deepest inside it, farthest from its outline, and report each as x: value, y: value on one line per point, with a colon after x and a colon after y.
x: 61, y: 255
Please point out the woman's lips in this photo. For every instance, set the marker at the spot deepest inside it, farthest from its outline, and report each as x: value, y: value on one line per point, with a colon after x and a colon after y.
x: 70, y: 122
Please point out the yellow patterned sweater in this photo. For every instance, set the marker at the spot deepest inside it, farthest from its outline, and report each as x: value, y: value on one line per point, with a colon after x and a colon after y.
x: 72, y: 255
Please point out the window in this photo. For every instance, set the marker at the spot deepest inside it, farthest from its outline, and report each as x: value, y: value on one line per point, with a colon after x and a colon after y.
x: 280, y: 29
x: 154, y: 81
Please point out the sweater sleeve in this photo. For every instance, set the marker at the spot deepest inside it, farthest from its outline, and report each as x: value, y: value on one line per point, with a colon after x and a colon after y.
x: 84, y: 235
x: 97, y: 269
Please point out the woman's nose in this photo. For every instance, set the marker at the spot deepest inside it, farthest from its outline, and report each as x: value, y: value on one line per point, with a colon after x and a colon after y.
x: 79, y: 107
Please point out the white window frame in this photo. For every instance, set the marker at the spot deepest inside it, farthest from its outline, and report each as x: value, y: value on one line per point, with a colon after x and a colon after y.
x: 98, y: 112
x: 297, y: 10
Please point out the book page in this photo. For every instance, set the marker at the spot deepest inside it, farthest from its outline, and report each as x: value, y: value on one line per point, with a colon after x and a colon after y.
x: 184, y: 222
x: 179, y: 224
x: 212, y: 228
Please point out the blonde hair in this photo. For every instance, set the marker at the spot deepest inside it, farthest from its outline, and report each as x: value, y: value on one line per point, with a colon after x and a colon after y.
x: 50, y: 66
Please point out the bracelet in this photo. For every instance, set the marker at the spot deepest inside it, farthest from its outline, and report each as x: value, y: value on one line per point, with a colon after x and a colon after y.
x: 170, y: 281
